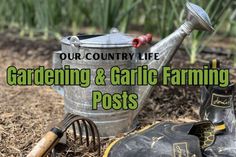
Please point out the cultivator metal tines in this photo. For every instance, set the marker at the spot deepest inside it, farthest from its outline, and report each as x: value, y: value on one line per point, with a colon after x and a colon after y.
x: 77, y: 123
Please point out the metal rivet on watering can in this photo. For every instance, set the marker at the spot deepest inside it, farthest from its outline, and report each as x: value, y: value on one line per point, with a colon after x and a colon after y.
x: 75, y: 44
x: 114, y: 30
x: 74, y: 41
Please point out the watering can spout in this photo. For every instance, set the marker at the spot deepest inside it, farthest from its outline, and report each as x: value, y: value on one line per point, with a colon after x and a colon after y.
x: 196, y: 18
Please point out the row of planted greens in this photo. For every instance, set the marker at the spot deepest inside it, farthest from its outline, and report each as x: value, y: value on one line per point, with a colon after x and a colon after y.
x: 49, y: 18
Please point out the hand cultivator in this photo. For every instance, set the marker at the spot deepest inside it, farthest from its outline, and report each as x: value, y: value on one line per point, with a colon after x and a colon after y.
x: 47, y: 144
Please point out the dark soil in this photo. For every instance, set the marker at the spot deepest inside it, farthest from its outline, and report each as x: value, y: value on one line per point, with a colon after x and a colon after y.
x: 26, y: 112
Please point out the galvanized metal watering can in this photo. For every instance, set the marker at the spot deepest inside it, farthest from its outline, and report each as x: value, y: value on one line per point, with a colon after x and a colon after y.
x: 78, y: 100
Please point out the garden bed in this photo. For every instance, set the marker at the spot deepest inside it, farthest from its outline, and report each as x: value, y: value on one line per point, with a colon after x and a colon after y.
x: 27, y: 111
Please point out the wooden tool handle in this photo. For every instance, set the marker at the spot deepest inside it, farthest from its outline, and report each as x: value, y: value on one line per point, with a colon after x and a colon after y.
x: 43, y: 147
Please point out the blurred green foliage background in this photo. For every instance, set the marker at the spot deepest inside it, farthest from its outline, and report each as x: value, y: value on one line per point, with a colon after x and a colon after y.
x: 50, y: 18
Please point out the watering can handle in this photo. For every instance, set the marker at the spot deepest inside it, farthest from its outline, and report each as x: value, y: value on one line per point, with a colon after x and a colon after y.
x: 141, y: 40
x: 57, y: 64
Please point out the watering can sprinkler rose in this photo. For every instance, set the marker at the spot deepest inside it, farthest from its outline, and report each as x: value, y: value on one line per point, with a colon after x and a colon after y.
x: 79, y: 100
